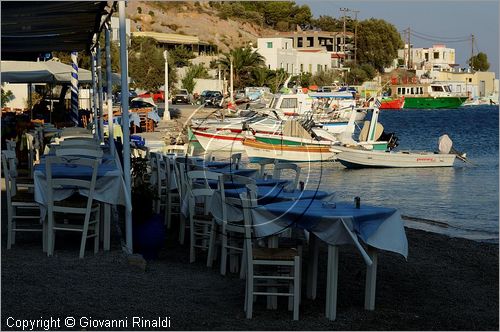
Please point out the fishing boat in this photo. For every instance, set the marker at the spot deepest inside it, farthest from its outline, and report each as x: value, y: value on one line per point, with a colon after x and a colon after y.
x: 392, y: 103
x: 257, y: 151
x: 375, y: 149
x: 428, y: 95
x: 220, y: 140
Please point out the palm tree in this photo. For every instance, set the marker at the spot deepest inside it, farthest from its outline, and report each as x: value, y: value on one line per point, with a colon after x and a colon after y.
x: 245, y: 60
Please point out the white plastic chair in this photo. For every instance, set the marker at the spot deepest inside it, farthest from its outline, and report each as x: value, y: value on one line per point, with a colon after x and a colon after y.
x: 231, y: 232
x: 280, y: 167
x: 201, y: 223
x: 19, y: 200
x: 83, y: 210
x: 276, y: 259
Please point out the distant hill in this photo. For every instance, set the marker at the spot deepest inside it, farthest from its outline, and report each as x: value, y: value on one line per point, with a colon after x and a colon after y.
x: 196, y: 19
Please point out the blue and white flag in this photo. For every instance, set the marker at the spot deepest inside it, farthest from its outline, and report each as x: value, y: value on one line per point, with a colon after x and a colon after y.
x: 377, y: 103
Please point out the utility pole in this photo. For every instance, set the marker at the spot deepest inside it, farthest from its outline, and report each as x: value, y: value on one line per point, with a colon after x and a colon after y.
x: 471, y: 64
x: 355, y: 35
x: 343, y: 10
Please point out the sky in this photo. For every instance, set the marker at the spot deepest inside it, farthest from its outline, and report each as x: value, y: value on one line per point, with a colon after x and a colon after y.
x: 449, y: 19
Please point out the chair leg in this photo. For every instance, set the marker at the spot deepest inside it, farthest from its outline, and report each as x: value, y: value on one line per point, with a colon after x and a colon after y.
x: 9, y: 227
x: 296, y: 288
x: 243, y: 267
x: 44, y: 236
x: 223, y: 255
x: 84, y: 238
x: 249, y: 284
x: 211, y: 245
x: 192, y: 254
x: 97, y: 232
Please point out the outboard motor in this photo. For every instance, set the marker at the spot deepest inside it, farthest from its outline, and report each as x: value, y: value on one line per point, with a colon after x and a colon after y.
x: 391, y: 139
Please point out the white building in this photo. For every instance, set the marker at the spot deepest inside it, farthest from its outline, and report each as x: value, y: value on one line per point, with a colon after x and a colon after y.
x: 115, y: 29
x: 437, y: 57
x: 279, y: 54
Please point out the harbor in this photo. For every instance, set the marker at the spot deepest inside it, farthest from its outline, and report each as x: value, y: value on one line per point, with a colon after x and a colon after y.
x: 248, y: 166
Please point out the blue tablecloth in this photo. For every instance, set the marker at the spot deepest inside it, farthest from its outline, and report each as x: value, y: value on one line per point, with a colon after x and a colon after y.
x: 379, y: 227
x: 268, y: 194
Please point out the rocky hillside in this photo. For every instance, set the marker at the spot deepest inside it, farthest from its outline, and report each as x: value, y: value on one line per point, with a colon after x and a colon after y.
x: 193, y: 18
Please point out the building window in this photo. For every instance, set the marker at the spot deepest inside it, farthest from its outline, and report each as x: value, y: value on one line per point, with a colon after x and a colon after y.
x: 326, y: 67
x: 281, y: 65
x: 269, y: 44
x: 287, y: 67
x: 301, y: 67
x: 310, y: 68
x: 299, y: 42
x: 470, y: 80
x: 289, y: 103
x: 318, y: 68
x: 436, y: 55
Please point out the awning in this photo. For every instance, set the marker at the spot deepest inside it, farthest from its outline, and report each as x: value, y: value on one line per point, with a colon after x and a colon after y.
x: 44, y: 72
x: 30, y: 28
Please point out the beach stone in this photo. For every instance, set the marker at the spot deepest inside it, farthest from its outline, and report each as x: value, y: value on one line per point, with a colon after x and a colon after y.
x: 137, y: 261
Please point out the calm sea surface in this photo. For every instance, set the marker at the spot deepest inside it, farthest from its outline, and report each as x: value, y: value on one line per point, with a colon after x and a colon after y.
x: 460, y: 201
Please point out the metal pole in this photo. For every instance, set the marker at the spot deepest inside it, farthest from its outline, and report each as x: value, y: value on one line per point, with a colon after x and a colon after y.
x: 94, y: 93
x: 166, y: 113
x: 109, y: 90
x: 125, y: 122
x: 231, y: 83
x: 100, y: 111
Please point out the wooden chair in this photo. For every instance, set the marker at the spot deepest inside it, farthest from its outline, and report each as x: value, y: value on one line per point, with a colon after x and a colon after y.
x: 266, y: 267
x: 201, y: 223
x: 19, y: 200
x: 232, y: 233
x: 159, y: 167
x: 181, y: 168
x: 262, y: 168
x: 280, y: 167
x: 76, y: 214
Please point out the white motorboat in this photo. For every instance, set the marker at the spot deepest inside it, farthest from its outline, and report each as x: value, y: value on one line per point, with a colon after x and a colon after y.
x: 371, y: 151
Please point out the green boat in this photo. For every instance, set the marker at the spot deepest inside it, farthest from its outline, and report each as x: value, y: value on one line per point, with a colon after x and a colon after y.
x: 434, y: 102
x: 428, y: 95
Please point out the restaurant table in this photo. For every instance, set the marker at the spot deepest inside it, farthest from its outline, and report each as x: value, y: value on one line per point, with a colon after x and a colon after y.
x: 336, y: 224
x: 109, y: 189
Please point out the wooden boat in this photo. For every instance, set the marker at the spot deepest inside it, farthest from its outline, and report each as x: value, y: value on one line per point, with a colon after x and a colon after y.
x: 295, y: 153
x: 220, y: 140
x: 394, y: 103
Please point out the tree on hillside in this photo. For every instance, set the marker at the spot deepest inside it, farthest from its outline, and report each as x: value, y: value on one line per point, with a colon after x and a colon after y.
x: 147, y: 65
x: 378, y: 43
x: 245, y: 60
x: 194, y: 71
x: 479, y: 62
x: 181, y: 56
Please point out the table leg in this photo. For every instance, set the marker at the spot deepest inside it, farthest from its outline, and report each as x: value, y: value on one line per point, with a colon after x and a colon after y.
x: 331, y: 282
x: 312, y: 267
x: 371, y: 280
x: 107, y: 226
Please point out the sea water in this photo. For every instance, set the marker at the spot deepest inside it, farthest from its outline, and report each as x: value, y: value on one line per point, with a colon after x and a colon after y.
x: 459, y: 201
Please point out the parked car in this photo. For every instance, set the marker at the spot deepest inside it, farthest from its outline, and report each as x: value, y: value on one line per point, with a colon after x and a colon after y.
x: 157, y: 96
x: 211, y: 98
x: 182, y: 97
x: 117, y: 96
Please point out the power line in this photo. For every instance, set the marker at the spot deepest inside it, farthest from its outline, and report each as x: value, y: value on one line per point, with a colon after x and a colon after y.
x: 440, y: 41
x: 437, y: 37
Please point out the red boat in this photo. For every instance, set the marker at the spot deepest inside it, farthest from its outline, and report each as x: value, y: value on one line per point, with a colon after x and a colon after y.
x: 392, y: 103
